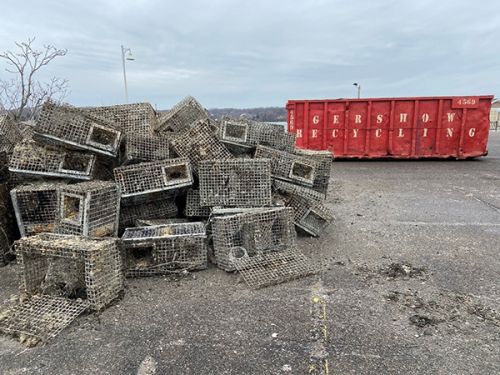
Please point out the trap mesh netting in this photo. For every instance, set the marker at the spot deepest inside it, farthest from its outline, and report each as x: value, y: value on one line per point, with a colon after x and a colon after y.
x: 74, y: 127
x: 193, y: 207
x: 160, y: 209
x: 72, y: 267
x: 147, y: 178
x: 10, y: 134
x: 199, y: 143
x: 235, y: 182
x: 247, y: 133
x: 271, y: 268
x: 182, y: 116
x: 164, y: 249
x: 142, y: 148
x: 135, y: 118
x: 40, y: 318
x: 33, y: 159
x: 253, y: 230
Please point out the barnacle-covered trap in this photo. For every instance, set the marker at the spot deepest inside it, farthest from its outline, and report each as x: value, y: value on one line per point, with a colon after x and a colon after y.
x: 60, y: 277
x: 157, y: 209
x: 140, y: 148
x: 235, y: 182
x: 193, y: 207
x: 164, y: 249
x: 182, y: 116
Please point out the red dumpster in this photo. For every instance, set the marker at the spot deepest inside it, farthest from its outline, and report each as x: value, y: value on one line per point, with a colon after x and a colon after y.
x: 409, y: 128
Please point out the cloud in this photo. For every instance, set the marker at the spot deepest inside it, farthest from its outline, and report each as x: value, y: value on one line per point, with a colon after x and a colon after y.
x: 260, y: 53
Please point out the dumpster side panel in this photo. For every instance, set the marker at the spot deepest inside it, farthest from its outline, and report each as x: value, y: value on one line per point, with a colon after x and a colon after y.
x: 425, y: 127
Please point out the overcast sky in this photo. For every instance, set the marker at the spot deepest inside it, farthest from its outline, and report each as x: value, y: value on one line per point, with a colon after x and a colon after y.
x: 231, y: 53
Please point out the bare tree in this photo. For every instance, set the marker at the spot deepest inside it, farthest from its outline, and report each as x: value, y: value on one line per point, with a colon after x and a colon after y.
x: 23, y: 94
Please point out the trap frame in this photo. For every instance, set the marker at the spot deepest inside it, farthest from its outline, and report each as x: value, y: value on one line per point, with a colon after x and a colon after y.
x: 253, y: 232
x: 164, y: 249
x: 89, y: 209
x: 32, y: 159
x: 147, y: 178
x: 160, y: 209
x: 310, y: 216
x: 73, y: 127
x: 183, y: 116
x: 141, y: 148
x: 199, y: 143
x: 235, y: 182
x: 193, y: 207
x: 131, y: 119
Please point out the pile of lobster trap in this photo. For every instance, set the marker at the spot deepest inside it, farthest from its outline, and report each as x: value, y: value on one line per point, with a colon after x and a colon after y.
x: 108, y: 193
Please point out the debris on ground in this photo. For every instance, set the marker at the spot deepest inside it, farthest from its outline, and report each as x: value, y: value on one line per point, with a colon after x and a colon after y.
x: 104, y: 193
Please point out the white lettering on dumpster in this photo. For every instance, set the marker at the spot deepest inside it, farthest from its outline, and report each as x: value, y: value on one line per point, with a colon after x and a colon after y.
x: 380, y: 118
x: 425, y: 132
x: 425, y: 117
x: 378, y: 133
x: 401, y: 134
x: 314, y: 133
x: 451, y: 116
x: 335, y: 133
x: 316, y: 119
x: 472, y: 132
x: 336, y: 119
x: 403, y: 117
x: 357, y: 119
x: 299, y: 133
x: 449, y: 132
x: 355, y: 133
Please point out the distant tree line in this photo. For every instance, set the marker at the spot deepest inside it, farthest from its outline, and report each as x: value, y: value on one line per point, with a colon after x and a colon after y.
x: 266, y: 114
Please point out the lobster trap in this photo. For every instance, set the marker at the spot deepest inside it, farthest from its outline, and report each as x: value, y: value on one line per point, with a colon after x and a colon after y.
x: 323, y: 161
x: 193, y: 207
x: 164, y: 249
x: 252, y: 232
x: 61, y: 276
x: 6, y: 223
x: 10, y: 134
x: 271, y: 268
x: 310, y: 216
x: 247, y: 134
x: 183, y: 116
x: 289, y: 167
x: 131, y: 119
x: 74, y: 127
x: 199, y: 143
x: 287, y: 188
x: 36, y: 207
x: 144, y: 148
x: 89, y: 209
x: 35, y: 160
x: 235, y: 182
x: 161, y: 209
x: 152, y: 177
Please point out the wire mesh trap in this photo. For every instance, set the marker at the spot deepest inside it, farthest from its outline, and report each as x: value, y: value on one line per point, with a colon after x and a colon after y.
x: 164, y: 249
x: 254, y: 232
x: 161, y: 209
x: 143, y: 148
x: 135, y: 118
x: 193, y: 207
x: 235, y: 182
x: 154, y: 222
x: 71, y: 267
x: 40, y: 318
x: 35, y: 207
x: 147, y: 178
x: 310, y: 216
x: 289, y: 167
x: 89, y: 209
x: 183, y: 116
x: 323, y: 161
x: 10, y: 134
x: 199, y: 143
x: 287, y: 188
x: 33, y: 159
x: 248, y: 134
x: 74, y: 127
x: 271, y: 268
x: 6, y: 223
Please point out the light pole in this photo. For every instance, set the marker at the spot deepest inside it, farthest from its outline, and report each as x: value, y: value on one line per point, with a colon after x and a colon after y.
x: 359, y: 88
x: 130, y: 58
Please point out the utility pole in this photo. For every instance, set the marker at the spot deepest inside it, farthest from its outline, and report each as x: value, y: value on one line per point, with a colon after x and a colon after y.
x: 130, y: 58
x: 359, y: 88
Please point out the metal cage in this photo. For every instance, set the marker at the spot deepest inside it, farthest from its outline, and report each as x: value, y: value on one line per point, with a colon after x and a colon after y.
x: 152, y: 177
x: 141, y: 148
x: 183, y: 116
x: 199, y: 143
x: 193, y: 207
x: 32, y: 159
x: 10, y: 134
x: 235, y: 182
x: 164, y: 249
x: 74, y: 127
x: 252, y: 232
x: 89, y: 209
x: 160, y: 209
